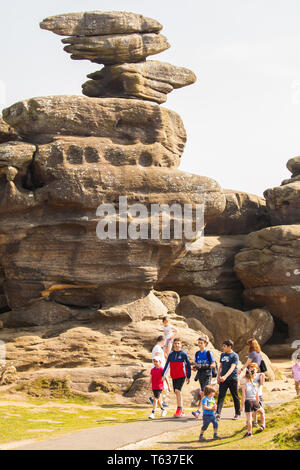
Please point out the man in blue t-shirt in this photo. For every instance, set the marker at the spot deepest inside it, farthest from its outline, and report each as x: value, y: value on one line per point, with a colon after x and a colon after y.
x: 204, y: 363
x: 228, y: 378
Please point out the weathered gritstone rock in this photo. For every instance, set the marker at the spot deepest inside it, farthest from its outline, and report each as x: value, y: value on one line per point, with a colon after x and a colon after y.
x: 244, y: 213
x: 293, y: 165
x: 283, y: 202
x: 207, y: 270
x: 100, y: 23
x: 115, y: 49
x: 225, y: 322
x: 125, y: 122
x: 6, y: 132
x: 268, y: 267
x: 151, y: 80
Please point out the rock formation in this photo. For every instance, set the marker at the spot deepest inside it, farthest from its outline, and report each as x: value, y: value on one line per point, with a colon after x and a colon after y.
x: 207, y: 270
x: 80, y: 153
x: 268, y: 266
x: 227, y: 323
x: 283, y: 202
x: 244, y: 213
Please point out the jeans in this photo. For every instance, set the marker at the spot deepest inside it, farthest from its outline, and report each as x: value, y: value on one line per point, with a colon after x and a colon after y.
x: 232, y: 385
x: 207, y: 419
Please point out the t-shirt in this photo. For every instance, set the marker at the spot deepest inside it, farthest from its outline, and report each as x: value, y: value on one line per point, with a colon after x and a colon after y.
x: 158, y: 351
x: 157, y: 380
x: 251, y: 391
x: 201, y: 358
x: 227, y: 360
x: 296, y: 372
x: 168, y: 331
x: 208, y: 402
x: 255, y: 357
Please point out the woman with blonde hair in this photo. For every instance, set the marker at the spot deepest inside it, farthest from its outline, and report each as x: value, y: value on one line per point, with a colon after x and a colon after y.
x: 254, y: 354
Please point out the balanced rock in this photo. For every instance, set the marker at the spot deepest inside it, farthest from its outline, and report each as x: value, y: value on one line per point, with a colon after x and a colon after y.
x: 268, y: 267
x: 151, y: 80
x: 93, y: 23
x: 207, y: 270
x: 228, y: 323
x: 115, y: 49
x: 244, y: 213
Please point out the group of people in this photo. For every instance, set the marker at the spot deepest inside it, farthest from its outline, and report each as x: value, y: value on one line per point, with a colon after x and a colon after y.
x: 206, y: 367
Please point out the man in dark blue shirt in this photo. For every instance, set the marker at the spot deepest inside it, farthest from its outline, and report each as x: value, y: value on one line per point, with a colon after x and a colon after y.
x: 228, y: 378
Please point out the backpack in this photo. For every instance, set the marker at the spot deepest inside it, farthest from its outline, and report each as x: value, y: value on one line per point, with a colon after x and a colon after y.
x: 214, y: 371
x: 263, y: 367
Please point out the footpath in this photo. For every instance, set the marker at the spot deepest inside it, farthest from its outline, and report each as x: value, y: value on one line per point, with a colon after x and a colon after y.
x: 121, y: 435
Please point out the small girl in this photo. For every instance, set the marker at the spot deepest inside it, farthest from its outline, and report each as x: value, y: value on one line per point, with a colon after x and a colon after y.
x: 259, y: 380
x: 169, y: 332
x: 250, y: 401
x: 296, y: 371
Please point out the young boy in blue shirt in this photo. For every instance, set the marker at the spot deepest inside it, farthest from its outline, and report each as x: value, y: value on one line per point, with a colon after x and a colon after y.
x: 209, y: 416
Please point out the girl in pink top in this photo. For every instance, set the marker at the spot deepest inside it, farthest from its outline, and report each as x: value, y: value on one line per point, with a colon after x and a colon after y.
x: 296, y: 372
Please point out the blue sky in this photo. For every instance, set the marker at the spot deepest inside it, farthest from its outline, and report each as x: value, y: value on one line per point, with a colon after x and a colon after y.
x: 242, y: 116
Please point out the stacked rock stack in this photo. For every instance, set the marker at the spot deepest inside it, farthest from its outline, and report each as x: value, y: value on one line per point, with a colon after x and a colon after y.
x: 79, y: 152
x: 122, y: 42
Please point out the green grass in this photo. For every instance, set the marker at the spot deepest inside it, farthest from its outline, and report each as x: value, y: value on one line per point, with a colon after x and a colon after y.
x: 282, y: 433
x: 39, y: 422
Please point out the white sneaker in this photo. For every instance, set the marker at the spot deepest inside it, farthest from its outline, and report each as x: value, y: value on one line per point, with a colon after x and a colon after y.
x: 151, y: 416
x: 163, y: 413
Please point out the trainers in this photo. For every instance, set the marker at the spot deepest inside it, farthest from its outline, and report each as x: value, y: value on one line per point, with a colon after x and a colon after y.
x: 151, y: 401
x: 151, y: 416
x: 236, y: 417
x: 248, y: 434
x: 255, y: 424
x: 177, y: 413
x: 163, y: 413
x: 196, y: 414
x: 202, y: 439
x: 182, y: 413
x: 217, y: 437
x: 218, y: 417
x: 262, y: 427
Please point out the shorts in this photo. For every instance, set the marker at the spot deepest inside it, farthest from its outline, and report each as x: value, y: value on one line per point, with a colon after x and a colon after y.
x: 156, y: 393
x: 251, y: 405
x: 204, y: 380
x: 178, y: 383
x: 207, y: 419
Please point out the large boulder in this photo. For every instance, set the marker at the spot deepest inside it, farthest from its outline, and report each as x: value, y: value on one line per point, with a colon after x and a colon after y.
x: 207, y: 270
x: 228, y: 323
x: 283, y: 202
x: 268, y: 267
x: 243, y: 213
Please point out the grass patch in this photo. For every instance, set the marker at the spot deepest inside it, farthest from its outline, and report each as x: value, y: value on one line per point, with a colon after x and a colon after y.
x: 39, y: 422
x: 282, y: 433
